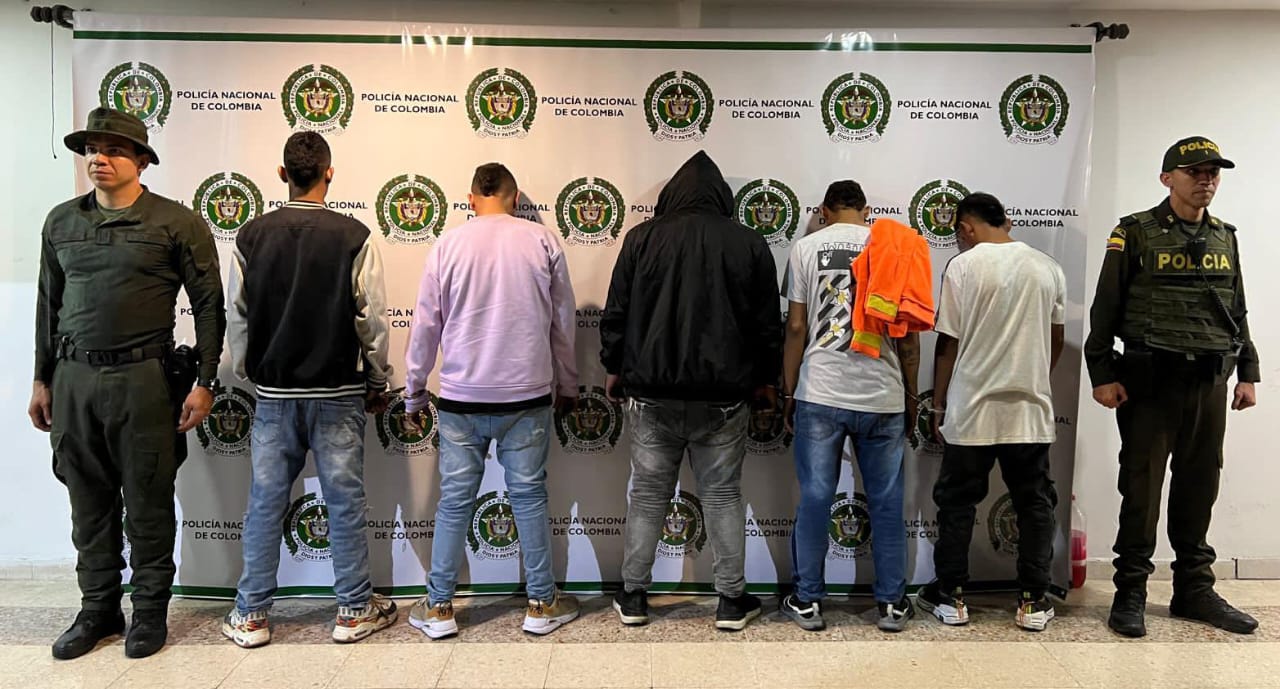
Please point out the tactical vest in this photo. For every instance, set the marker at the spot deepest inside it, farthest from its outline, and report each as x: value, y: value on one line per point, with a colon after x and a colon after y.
x: 1168, y: 306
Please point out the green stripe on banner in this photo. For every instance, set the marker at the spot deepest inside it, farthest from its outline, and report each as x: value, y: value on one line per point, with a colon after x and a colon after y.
x: 623, y: 43
x: 591, y: 587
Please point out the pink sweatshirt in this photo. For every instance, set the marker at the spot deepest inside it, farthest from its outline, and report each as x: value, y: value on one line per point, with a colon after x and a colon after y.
x: 496, y: 298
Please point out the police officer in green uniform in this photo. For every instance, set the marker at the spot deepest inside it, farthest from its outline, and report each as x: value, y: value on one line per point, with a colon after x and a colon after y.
x: 1172, y: 291
x: 112, y: 262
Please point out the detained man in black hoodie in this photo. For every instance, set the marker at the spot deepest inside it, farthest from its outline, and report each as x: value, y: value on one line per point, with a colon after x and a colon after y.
x: 691, y: 336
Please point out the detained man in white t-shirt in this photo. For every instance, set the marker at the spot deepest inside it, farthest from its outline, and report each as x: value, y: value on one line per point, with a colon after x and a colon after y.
x: 1000, y: 333
x: 834, y: 395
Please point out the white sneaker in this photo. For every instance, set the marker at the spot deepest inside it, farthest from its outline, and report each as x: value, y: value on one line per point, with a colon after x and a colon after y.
x: 544, y: 618
x: 436, y: 621
x: 1034, y: 614
x: 354, y: 624
x: 247, y: 631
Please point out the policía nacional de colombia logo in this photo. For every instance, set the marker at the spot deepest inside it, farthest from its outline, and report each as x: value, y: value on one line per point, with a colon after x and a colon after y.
x: 855, y: 108
x: 396, y: 435
x: 849, y: 529
x: 678, y: 106
x: 227, y: 201
x: 411, y: 209
x: 317, y: 98
x: 770, y: 208
x: 921, y: 436
x: 1033, y: 110
x: 501, y: 103
x: 933, y: 211
x: 493, y: 534
x: 683, y: 530
x: 227, y: 429
x: 1002, y: 526
x: 767, y: 431
x: 593, y: 427
x: 140, y: 90
x: 589, y: 211
x: 306, y: 529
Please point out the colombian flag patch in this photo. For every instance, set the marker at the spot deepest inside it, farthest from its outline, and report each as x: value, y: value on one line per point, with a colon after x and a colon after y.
x: 1116, y: 241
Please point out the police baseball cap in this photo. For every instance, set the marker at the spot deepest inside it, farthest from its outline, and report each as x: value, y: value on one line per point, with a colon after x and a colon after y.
x: 1194, y: 150
x: 115, y: 122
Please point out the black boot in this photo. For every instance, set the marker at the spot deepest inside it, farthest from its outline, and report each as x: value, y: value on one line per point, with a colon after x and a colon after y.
x: 90, y: 627
x: 147, y: 634
x: 1128, y: 611
x: 1208, y: 607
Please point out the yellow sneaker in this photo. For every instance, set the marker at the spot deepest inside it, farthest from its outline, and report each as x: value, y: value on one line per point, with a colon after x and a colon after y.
x: 436, y: 621
x: 543, y: 618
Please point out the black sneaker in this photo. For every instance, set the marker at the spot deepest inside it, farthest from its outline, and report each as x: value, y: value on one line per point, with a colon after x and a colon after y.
x: 1210, y: 608
x: 147, y: 633
x: 90, y: 627
x: 948, y: 607
x: 1128, y: 611
x: 733, y: 614
x: 807, y: 615
x: 1034, y: 612
x: 894, y: 616
x: 633, y: 607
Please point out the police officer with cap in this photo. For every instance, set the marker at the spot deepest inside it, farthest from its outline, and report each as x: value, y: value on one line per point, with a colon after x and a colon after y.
x: 111, y: 264
x: 1172, y: 291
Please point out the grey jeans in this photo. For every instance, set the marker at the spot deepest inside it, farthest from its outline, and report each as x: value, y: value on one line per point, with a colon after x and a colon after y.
x: 715, y: 436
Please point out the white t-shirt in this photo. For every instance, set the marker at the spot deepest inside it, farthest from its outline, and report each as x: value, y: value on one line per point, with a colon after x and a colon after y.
x: 999, y: 301
x: 832, y: 374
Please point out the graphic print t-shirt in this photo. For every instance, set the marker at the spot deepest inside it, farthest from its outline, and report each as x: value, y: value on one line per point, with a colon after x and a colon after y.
x: 832, y: 374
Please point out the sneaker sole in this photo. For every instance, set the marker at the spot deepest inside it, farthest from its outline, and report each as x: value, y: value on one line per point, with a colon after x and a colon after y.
x: 546, y: 625
x: 441, y: 631
x: 738, y: 625
x: 949, y: 620
x: 630, y: 620
x: 894, y: 627
x: 807, y: 624
x: 350, y: 635
x: 1034, y: 626
x: 230, y: 632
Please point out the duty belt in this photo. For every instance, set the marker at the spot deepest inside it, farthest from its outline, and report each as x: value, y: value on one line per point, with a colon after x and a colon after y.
x: 68, y: 350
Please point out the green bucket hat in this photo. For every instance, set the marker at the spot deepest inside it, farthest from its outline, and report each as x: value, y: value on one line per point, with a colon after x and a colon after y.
x: 108, y: 121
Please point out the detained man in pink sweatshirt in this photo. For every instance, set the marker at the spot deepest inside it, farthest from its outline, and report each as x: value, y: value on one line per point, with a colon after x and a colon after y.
x: 496, y: 300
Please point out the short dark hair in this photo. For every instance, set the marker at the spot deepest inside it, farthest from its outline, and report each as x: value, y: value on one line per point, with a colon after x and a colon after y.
x: 306, y: 157
x: 493, y: 179
x: 845, y: 194
x: 982, y: 206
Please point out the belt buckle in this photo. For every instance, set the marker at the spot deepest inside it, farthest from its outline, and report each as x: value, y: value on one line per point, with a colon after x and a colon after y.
x: 99, y: 358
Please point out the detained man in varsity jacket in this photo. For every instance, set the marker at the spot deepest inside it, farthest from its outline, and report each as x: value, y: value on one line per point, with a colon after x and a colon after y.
x: 306, y: 326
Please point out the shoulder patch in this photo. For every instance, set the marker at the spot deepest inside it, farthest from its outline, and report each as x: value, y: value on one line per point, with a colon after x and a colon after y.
x: 1116, y: 241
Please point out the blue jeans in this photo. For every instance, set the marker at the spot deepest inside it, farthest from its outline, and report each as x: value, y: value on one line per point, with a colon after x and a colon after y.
x: 878, y: 445
x: 524, y: 440
x: 283, y: 431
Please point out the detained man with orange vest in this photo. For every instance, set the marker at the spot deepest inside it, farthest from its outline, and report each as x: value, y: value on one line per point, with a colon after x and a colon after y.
x: 836, y: 393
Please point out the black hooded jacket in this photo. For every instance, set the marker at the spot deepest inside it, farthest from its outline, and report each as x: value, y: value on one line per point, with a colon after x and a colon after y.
x: 693, y: 310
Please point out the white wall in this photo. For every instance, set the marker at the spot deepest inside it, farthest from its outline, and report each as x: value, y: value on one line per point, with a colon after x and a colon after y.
x: 1178, y: 74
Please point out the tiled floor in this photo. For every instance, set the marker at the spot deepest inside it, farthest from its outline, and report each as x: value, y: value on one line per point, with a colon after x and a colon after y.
x: 679, y: 649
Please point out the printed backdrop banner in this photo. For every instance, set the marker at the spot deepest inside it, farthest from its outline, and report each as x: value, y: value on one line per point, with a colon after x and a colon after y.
x: 592, y: 123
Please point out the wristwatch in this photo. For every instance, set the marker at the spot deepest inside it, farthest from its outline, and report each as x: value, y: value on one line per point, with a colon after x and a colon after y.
x: 206, y: 383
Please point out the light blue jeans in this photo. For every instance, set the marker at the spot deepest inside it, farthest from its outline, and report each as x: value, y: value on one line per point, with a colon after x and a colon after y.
x: 524, y: 441
x: 878, y: 445
x: 283, y: 431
